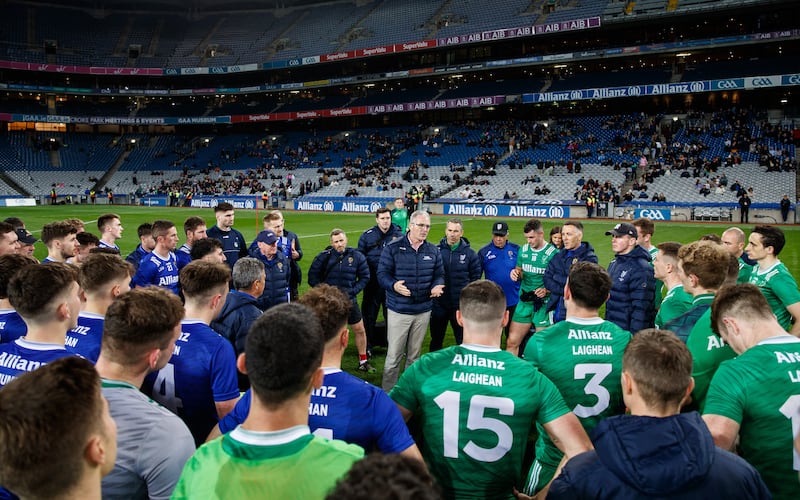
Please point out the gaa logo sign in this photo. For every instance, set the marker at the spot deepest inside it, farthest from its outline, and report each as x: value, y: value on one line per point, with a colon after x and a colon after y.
x: 374, y: 206
x: 555, y: 212
x: 490, y: 210
x: 653, y: 214
x: 327, y: 206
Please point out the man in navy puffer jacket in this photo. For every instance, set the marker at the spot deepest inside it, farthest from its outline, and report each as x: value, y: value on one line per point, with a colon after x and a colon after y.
x: 631, y: 303
x: 345, y: 268
x: 555, y: 276
x: 412, y: 273
x: 462, y: 266
x: 656, y: 451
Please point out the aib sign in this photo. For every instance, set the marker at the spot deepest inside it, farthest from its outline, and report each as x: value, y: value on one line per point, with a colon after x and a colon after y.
x: 652, y: 213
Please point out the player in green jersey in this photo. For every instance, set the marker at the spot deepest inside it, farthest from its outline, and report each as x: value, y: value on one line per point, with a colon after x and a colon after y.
x: 646, y: 229
x: 532, y: 261
x: 757, y: 394
x: 400, y: 214
x: 665, y: 269
x: 733, y: 239
x: 476, y: 404
x: 582, y: 356
x: 771, y: 276
x: 703, y: 267
x: 273, y: 453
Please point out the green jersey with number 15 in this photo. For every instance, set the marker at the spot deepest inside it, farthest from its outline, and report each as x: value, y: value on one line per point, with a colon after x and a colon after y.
x: 476, y: 405
x: 760, y: 390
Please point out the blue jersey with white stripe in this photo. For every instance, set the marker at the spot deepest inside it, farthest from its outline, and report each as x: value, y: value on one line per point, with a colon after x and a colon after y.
x: 183, y: 256
x: 345, y: 408
x: 202, y: 371
x: 86, y: 338
x: 12, y: 326
x: 23, y: 356
x: 158, y: 271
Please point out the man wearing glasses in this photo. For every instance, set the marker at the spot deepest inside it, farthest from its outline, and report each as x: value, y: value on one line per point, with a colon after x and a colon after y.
x: 412, y: 273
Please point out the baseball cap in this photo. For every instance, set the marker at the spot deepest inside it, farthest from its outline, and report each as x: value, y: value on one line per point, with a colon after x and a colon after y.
x: 500, y: 228
x: 267, y: 237
x: 25, y: 237
x: 622, y: 229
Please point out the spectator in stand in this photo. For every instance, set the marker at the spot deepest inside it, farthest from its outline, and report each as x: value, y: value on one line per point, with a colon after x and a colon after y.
x: 233, y: 243
x: 195, y: 229
x: 744, y: 208
x: 146, y: 244
x: 786, y: 205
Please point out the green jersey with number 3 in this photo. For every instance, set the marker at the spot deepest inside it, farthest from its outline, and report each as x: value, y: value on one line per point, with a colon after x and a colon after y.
x: 760, y: 390
x: 476, y: 405
x: 583, y: 358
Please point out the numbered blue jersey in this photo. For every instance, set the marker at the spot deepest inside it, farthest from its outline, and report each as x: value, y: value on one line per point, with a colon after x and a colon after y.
x: 345, y: 408
x: 158, y: 271
x: 202, y: 371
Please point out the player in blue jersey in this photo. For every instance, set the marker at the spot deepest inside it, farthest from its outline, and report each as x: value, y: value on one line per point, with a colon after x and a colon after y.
x: 159, y: 267
x: 12, y: 326
x: 103, y: 277
x: 199, y: 383
x: 61, y: 241
x: 195, y: 230
x: 110, y: 231
x: 345, y: 407
x: 146, y: 244
x: 233, y: 243
x: 46, y: 296
x: 498, y: 259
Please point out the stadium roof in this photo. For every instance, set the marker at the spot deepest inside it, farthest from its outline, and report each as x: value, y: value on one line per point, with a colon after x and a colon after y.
x: 182, y: 5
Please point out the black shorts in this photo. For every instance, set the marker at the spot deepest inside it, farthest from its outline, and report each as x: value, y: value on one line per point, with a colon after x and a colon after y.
x: 355, y: 314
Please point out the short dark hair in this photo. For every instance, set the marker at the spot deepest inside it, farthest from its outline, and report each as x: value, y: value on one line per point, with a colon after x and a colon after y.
x: 139, y: 321
x: 382, y: 210
x: 223, y: 206
x: 87, y: 238
x: 11, y: 264
x: 331, y: 305
x: 574, y: 223
x: 669, y: 249
x: 192, y: 223
x: 645, y: 226
x: 161, y: 228
x: 144, y: 229
x: 661, y: 366
x: 386, y: 476
x: 284, y: 350
x: 99, y: 269
x: 745, y: 300
x: 34, y: 290
x: 204, y: 247
x: 771, y: 236
x: 715, y: 238
x: 199, y: 279
x: 482, y: 301
x: 6, y: 228
x: 108, y: 250
x: 105, y: 219
x: 16, y: 222
x: 589, y: 284
x: 532, y: 225
x: 57, y: 230
x: 48, y: 416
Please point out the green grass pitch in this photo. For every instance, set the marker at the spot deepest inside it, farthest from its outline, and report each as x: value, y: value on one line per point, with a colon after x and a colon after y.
x: 313, y: 230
